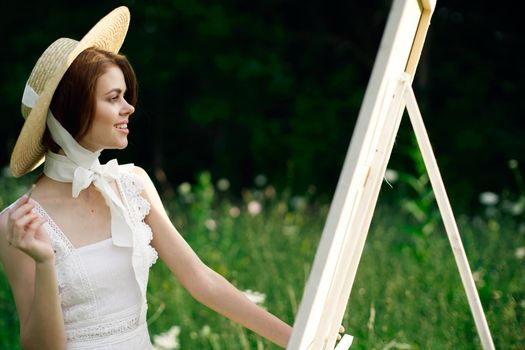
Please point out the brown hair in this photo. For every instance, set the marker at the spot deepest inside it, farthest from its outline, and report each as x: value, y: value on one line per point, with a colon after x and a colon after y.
x: 73, y: 103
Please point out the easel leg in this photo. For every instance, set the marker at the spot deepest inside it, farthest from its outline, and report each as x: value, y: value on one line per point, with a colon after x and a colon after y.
x: 448, y: 219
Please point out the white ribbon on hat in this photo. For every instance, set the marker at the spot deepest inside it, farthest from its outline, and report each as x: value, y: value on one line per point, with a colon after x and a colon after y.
x: 81, y: 167
x: 29, y: 97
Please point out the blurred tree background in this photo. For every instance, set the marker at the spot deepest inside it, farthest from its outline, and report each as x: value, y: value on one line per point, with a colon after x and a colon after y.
x: 242, y: 88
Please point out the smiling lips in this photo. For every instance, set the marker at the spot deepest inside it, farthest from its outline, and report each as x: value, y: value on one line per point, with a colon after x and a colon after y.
x: 123, y: 127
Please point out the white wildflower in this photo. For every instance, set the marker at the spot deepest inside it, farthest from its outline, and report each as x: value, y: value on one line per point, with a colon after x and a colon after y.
x: 184, y: 188
x: 298, y: 202
x: 488, y: 198
x: 206, y: 331
x: 223, y: 184
x: 254, y: 208
x: 167, y: 340
x: 234, y: 212
x: 520, y: 252
x: 255, y: 297
x: 517, y: 208
x: 391, y: 176
x: 210, y: 224
x: 478, y: 277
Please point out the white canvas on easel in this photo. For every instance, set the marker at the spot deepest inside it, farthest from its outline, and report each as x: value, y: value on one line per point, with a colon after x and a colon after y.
x: 335, y: 265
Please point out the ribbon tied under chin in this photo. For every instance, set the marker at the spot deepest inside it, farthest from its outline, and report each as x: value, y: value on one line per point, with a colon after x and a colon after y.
x: 97, y: 174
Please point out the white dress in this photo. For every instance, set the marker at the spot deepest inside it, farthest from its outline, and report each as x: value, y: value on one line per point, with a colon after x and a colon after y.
x: 102, y: 287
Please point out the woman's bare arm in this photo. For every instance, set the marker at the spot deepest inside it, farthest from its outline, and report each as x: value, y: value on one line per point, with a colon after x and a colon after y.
x: 204, y: 284
x: 29, y: 260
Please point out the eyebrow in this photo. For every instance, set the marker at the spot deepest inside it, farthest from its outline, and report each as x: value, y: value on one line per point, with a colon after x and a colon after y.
x: 117, y: 90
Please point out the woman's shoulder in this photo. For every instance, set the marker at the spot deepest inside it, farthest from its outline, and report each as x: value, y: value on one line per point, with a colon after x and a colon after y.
x: 140, y: 172
x: 134, y: 175
x: 132, y: 169
x: 148, y: 189
x: 135, y: 180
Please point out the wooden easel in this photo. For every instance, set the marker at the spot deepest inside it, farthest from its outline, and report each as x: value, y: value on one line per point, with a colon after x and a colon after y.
x: 335, y: 265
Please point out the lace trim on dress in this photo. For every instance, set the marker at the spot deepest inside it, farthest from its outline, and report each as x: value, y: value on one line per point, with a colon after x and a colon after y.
x: 131, y: 187
x: 121, y: 323
x: 74, y: 286
x: 61, y: 244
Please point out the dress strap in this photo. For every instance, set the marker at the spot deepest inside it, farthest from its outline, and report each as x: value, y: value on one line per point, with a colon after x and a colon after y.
x: 61, y: 244
x: 131, y: 187
x: 144, y: 255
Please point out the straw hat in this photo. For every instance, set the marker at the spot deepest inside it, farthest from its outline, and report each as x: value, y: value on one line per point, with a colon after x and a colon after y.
x: 108, y: 34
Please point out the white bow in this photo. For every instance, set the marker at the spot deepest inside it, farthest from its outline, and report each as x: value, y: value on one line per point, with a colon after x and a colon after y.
x: 83, y: 177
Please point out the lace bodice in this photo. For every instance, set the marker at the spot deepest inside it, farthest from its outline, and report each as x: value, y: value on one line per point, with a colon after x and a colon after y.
x: 102, y: 286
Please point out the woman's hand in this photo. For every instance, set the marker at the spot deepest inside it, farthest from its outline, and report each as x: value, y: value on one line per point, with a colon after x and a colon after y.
x: 341, y: 331
x: 26, y: 233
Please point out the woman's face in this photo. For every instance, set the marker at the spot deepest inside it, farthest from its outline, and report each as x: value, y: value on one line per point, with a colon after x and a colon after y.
x: 110, y: 123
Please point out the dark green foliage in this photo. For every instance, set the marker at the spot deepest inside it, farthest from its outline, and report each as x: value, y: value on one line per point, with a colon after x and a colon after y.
x: 274, y: 87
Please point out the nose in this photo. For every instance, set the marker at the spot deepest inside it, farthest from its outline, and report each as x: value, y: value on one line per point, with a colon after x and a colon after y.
x: 128, y: 109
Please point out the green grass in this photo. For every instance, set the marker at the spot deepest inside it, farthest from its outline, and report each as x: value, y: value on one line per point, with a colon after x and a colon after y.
x: 407, y: 293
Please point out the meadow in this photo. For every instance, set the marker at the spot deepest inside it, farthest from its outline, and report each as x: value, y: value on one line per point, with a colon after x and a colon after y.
x: 407, y: 293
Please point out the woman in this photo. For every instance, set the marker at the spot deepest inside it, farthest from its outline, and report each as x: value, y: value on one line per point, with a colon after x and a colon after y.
x: 77, y: 253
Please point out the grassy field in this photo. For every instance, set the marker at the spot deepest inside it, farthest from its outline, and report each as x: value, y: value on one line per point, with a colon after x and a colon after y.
x: 407, y: 293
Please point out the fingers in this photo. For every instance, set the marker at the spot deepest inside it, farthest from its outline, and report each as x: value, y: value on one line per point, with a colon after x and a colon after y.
x: 19, y: 219
x: 25, y: 220
x: 33, y: 227
x: 20, y: 211
x: 341, y: 330
x: 19, y: 222
x: 20, y: 207
x: 26, y: 233
x: 23, y: 200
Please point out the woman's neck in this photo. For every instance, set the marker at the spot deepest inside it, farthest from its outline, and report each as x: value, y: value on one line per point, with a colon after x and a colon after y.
x: 49, y: 189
